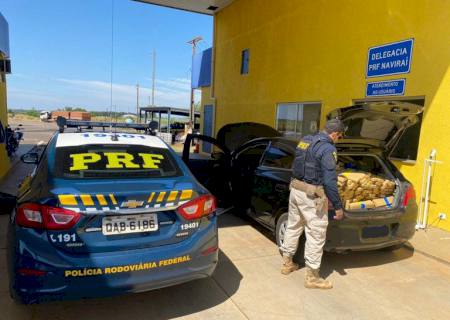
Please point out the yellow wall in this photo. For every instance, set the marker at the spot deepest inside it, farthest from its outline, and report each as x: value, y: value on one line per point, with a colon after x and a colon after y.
x: 317, y: 51
x: 4, y: 160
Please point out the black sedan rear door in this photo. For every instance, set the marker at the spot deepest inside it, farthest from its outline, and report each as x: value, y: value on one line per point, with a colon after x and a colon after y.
x: 270, y: 192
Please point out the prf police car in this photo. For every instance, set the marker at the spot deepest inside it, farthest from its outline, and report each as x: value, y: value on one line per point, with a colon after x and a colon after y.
x: 108, y: 213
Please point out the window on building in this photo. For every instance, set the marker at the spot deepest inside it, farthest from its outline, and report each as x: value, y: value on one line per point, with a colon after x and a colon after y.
x: 298, y: 119
x: 407, y: 146
x: 245, y: 59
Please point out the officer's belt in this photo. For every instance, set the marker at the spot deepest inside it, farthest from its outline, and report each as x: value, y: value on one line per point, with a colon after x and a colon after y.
x: 310, y: 189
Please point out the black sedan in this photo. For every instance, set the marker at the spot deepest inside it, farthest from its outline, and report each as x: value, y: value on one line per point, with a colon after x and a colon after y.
x: 249, y: 166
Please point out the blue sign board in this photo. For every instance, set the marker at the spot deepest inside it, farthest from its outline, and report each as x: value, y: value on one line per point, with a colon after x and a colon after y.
x: 4, y: 36
x: 391, y: 58
x: 201, y: 69
x: 386, y: 88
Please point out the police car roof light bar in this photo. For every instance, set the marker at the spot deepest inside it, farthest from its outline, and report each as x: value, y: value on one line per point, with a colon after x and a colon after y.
x: 79, y: 124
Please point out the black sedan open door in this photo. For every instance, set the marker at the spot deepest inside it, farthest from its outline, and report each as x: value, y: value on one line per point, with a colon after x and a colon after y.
x: 209, y: 161
x: 211, y: 165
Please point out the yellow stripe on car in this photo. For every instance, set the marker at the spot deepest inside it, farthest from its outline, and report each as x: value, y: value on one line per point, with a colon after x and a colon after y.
x: 113, y: 199
x: 161, y: 196
x: 172, y: 196
x: 87, y: 199
x: 101, y: 200
x: 67, y: 200
x: 150, y: 198
x: 186, y: 194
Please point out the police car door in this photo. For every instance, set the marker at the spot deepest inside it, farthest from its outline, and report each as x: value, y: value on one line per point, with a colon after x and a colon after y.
x: 271, y: 183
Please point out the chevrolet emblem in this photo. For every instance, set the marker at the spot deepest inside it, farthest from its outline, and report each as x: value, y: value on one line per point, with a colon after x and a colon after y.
x: 131, y: 204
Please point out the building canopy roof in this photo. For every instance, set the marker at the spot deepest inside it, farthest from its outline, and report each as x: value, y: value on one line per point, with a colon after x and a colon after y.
x: 173, y: 111
x: 200, y: 6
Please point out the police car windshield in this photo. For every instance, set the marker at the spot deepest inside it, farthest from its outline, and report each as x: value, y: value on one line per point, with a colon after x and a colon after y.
x: 114, y: 161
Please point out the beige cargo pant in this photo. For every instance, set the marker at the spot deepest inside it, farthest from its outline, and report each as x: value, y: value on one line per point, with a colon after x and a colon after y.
x: 310, y: 215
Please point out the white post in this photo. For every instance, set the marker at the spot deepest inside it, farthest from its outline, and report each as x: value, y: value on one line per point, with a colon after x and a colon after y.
x: 428, y: 165
x: 153, y: 78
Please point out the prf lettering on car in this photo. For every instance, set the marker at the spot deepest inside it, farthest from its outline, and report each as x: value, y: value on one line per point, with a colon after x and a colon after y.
x: 115, y: 160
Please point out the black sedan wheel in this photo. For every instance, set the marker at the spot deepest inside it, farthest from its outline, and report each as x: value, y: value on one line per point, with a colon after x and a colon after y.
x: 281, y: 229
x: 280, y: 232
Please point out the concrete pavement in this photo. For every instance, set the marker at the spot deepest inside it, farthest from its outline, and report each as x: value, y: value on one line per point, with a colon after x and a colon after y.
x: 248, y: 285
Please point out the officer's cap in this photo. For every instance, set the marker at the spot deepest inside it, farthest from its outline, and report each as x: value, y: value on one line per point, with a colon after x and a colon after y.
x: 334, y: 125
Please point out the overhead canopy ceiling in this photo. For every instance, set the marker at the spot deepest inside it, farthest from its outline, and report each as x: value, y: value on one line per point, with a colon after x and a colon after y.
x: 200, y: 6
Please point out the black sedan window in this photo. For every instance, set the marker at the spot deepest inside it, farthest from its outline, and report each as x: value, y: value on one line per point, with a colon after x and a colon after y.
x: 278, y: 158
x: 251, y: 156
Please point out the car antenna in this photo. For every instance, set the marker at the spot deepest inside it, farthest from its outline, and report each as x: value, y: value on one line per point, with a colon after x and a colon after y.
x: 113, y: 135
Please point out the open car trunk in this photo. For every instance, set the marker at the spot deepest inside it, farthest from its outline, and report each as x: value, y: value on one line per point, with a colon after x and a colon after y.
x: 366, y: 184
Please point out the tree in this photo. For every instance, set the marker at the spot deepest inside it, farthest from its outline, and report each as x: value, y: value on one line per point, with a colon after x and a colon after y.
x: 73, y: 109
x: 197, y: 106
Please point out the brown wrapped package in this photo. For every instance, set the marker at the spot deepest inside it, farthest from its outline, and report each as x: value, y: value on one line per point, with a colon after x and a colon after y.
x: 383, y: 202
x: 360, y: 186
x: 359, y: 205
x: 354, y: 176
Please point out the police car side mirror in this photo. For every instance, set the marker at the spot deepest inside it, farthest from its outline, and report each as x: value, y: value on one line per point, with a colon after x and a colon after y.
x: 30, y: 158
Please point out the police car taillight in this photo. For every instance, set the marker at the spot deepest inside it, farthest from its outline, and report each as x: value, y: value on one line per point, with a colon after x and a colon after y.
x: 197, y: 208
x: 29, y: 215
x: 32, y: 215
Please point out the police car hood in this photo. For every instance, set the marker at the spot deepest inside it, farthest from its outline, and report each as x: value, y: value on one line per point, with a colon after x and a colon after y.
x: 379, y: 124
x: 234, y: 135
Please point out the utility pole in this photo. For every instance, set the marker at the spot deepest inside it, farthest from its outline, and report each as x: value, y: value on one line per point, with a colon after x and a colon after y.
x: 138, y: 118
x: 193, y: 42
x: 153, y: 78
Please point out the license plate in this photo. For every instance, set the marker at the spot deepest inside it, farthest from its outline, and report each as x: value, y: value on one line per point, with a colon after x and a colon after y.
x: 375, y: 232
x: 129, y: 224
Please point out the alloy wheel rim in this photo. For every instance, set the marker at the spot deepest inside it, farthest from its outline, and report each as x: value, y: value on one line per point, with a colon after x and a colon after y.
x: 282, y: 232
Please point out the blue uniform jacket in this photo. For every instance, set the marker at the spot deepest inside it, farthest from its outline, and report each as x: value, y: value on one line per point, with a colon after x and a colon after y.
x: 315, y: 163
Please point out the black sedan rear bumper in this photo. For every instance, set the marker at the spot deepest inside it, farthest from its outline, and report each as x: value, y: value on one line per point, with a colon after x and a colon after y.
x: 356, y: 235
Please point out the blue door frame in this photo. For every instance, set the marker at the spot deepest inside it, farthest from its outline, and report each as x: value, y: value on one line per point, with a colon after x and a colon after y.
x: 208, y: 118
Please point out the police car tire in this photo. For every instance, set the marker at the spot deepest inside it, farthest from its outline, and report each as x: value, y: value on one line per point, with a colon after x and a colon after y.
x: 16, y: 300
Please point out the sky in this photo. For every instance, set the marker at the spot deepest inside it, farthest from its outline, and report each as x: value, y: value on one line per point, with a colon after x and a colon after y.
x: 60, y: 53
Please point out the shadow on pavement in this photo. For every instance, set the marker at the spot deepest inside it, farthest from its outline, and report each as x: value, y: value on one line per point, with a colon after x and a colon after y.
x: 340, y: 262
x: 166, y: 303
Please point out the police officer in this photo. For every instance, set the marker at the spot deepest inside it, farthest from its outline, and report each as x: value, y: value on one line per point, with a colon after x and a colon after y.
x: 314, y: 180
